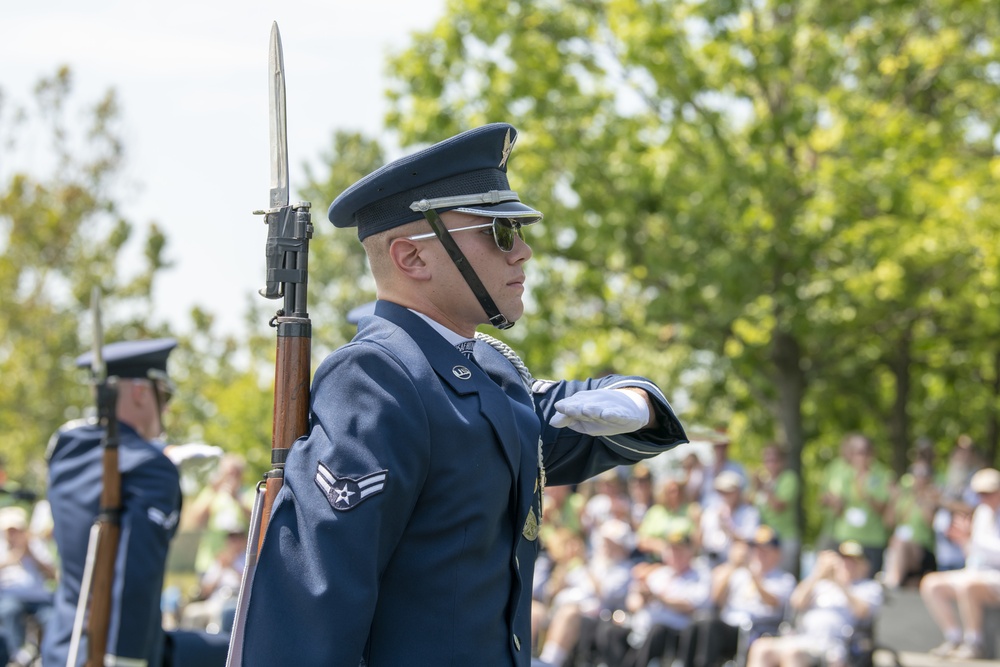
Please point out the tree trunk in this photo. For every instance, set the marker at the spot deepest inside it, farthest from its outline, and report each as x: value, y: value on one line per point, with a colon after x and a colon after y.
x: 791, y: 384
x: 899, y: 420
x: 992, y: 435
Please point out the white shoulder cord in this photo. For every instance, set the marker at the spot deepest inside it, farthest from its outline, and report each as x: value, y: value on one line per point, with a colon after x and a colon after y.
x: 527, y: 381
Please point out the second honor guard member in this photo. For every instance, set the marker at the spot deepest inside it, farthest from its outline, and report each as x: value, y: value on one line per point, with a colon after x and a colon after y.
x: 151, y: 503
x: 406, y: 529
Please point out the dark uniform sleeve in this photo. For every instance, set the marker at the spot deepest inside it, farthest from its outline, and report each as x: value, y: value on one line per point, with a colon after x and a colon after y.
x: 349, y: 489
x: 571, y: 457
x: 151, y: 499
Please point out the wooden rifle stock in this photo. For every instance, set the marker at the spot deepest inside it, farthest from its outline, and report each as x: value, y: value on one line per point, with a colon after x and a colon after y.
x: 291, y: 405
x: 109, y: 529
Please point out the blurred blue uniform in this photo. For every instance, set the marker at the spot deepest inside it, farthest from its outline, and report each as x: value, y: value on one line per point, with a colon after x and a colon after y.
x: 151, y: 504
x: 406, y: 529
x: 151, y: 497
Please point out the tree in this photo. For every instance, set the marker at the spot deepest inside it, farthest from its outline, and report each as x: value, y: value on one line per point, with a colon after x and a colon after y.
x: 61, y: 233
x: 784, y: 203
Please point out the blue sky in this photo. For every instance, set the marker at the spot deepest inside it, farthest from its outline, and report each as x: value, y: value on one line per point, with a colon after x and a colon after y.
x: 191, y: 77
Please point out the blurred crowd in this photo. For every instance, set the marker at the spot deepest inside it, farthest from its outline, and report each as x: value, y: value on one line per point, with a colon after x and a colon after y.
x: 699, y: 561
x: 690, y: 559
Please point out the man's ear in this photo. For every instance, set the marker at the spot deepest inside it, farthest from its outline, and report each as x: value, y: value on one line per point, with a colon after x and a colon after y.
x: 405, y: 255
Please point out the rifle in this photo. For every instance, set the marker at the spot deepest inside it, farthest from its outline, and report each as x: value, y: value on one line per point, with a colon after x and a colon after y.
x: 102, y: 547
x: 289, y: 229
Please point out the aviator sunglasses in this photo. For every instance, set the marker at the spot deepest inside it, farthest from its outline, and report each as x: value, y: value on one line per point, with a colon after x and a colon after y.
x: 504, y: 231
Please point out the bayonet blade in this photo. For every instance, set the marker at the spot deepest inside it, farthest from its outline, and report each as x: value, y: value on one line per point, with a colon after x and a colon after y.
x: 97, y: 367
x: 279, y: 132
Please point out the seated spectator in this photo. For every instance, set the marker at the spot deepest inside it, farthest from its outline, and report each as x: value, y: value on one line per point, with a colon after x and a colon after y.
x: 911, y: 511
x: 609, y: 501
x: 561, y: 508
x: 670, y: 513
x: 219, y: 509
x: 662, y: 600
x: 976, y: 585
x: 721, y: 463
x: 566, y: 578
x: 731, y: 515
x: 774, y: 490
x: 640, y: 493
x: 26, y: 570
x: 751, y: 591
x: 838, y: 593
x: 215, y: 608
x: 574, y: 617
x: 692, y: 478
x: 953, y: 520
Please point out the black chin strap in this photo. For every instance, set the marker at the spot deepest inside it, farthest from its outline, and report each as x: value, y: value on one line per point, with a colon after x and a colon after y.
x: 475, y: 284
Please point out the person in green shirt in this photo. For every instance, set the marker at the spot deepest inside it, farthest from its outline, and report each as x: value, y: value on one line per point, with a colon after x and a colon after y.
x: 670, y: 513
x: 835, y: 478
x: 561, y: 508
x: 911, y: 512
x: 775, y: 492
x: 860, y: 505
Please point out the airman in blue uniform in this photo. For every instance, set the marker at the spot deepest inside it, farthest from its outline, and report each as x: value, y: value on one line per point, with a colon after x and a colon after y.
x: 151, y: 500
x: 406, y: 529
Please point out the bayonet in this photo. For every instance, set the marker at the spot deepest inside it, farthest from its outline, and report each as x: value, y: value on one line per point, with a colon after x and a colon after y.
x: 97, y: 368
x: 276, y: 117
x: 283, y: 237
x: 289, y: 229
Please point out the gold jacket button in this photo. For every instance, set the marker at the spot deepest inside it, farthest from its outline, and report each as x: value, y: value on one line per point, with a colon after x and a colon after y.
x: 517, y: 642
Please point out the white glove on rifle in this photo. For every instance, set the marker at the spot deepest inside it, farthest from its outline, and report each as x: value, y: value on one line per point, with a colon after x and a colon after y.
x: 602, y: 412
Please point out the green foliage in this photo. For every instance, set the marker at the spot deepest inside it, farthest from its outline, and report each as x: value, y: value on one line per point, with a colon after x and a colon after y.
x: 338, y: 275
x: 785, y: 212
x: 789, y: 209
x: 60, y: 235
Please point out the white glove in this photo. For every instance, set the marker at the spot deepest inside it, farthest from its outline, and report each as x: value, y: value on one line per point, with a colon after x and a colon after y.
x: 602, y: 412
x: 194, y: 450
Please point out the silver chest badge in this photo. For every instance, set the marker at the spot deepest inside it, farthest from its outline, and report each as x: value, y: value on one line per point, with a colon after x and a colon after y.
x: 461, y: 372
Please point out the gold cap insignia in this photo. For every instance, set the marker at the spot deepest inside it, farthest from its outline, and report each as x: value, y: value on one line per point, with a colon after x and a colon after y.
x: 508, y: 146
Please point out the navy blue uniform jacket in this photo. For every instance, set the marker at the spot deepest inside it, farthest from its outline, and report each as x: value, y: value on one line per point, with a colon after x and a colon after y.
x: 406, y: 530
x: 151, y: 497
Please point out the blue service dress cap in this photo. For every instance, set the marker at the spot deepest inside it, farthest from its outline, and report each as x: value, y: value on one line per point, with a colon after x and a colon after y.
x: 467, y: 172
x: 133, y: 358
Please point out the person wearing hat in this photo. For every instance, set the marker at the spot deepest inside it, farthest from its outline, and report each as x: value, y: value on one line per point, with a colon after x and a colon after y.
x: 151, y: 502
x: 26, y: 571
x: 663, y: 600
x: 406, y: 528
x: 838, y: 593
x: 775, y: 491
x: 730, y: 517
x: 572, y: 621
x: 751, y: 590
x: 721, y: 463
x: 956, y: 598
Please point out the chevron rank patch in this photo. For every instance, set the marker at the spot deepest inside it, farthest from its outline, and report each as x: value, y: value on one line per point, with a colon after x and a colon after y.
x: 165, y: 521
x: 345, y: 493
